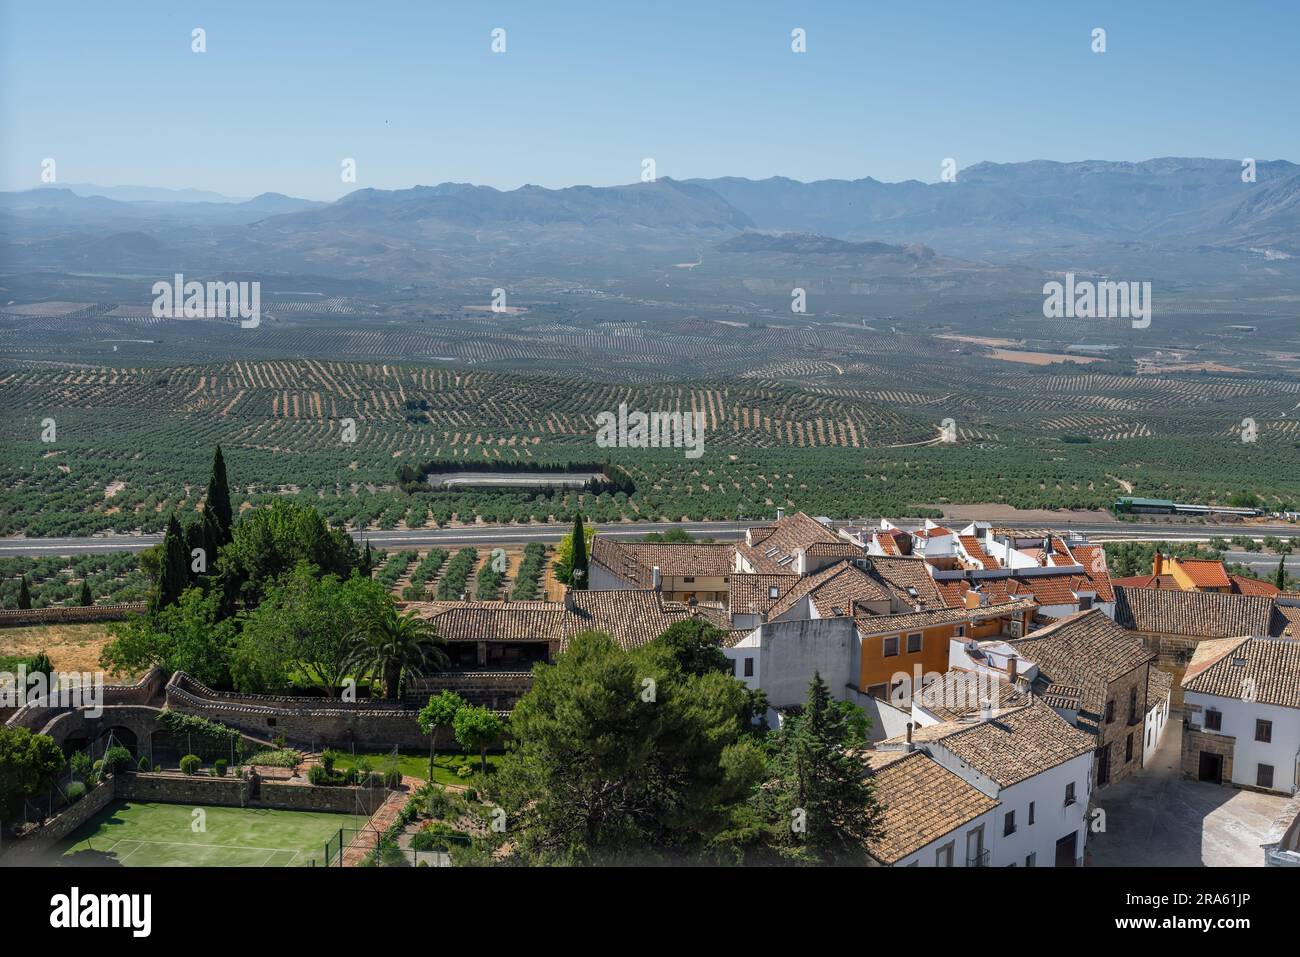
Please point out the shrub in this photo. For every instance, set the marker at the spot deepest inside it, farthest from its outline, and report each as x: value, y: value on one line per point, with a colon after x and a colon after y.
x: 81, y: 765
x: 191, y: 763
x: 393, y: 780
x: 435, y: 836
x: 464, y: 771
x: 76, y: 791
x: 285, y: 758
x: 327, y: 759
x: 143, y: 764
x: 319, y: 776
x: 219, y: 766
x: 117, y: 758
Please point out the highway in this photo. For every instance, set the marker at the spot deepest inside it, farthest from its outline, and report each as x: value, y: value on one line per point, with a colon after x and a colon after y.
x: 1098, y: 531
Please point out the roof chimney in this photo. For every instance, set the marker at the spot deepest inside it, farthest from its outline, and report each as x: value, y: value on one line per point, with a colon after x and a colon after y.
x: 568, y: 600
x: 908, y: 745
x: 656, y: 579
x: 986, y: 710
x: 780, y: 513
x: 1011, y: 668
x: 1157, y: 564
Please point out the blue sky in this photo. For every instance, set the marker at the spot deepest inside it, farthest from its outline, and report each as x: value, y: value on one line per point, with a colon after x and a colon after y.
x: 412, y: 91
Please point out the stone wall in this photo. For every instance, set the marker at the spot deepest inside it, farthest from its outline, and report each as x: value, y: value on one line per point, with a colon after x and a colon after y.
x: 498, y: 690
x: 1195, y: 740
x: 1173, y: 652
x: 183, y: 789
x: 16, y: 617
x: 1114, y: 735
x: 28, y: 850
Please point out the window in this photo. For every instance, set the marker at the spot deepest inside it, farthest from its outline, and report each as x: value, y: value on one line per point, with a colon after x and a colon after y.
x: 891, y: 646
x: 1213, y: 720
x: 270, y: 722
x: 773, y: 591
x: 1263, y: 730
x: 913, y: 644
x: 1128, y: 749
x: 878, y: 691
x: 1264, y: 776
x: 749, y: 667
x: 1031, y: 860
x: 1031, y: 814
x: 1132, y: 705
x: 1110, y: 710
x: 1085, y: 602
x: 1069, y: 794
x: 688, y: 578
x: 1102, y: 760
x: 1009, y: 823
x: 943, y: 856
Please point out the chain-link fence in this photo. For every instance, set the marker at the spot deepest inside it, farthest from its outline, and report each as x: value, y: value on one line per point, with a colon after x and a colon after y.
x: 367, y: 847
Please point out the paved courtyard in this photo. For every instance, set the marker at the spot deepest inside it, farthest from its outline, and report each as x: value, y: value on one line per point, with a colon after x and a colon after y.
x: 1156, y: 818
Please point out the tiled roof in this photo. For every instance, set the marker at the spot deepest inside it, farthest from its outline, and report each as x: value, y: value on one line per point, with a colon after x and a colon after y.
x: 634, y: 562
x: 1197, y: 614
x: 906, y: 572
x: 1093, y: 560
x: 1286, y: 621
x: 634, y: 617
x: 774, y: 553
x: 1158, y: 685
x: 1086, y: 651
x: 869, y: 625
x: 957, y: 694
x: 1204, y: 573
x: 498, y: 621
x: 1013, y: 745
x: 1241, y: 585
x: 976, y: 551
x: 835, y: 591
x: 750, y: 594
x: 1232, y: 667
x: 921, y: 802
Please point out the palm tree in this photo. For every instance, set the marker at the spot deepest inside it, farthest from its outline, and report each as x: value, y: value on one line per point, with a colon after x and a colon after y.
x: 393, y: 643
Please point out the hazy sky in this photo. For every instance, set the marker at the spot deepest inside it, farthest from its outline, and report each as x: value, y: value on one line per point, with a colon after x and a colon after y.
x: 585, y: 91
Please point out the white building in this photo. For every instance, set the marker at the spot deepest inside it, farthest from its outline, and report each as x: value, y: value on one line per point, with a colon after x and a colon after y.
x: 1241, y: 699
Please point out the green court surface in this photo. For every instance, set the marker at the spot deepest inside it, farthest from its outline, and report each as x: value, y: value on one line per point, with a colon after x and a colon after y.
x: 138, y: 834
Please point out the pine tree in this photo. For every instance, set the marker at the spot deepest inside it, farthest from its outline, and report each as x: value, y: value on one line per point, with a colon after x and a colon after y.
x: 174, y: 575
x: 579, y: 554
x: 217, y: 505
x: 86, y: 599
x: 24, y: 594
x: 1280, y: 580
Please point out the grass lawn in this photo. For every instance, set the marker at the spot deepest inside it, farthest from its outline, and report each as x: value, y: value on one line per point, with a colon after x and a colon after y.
x: 416, y: 763
x: 139, y: 834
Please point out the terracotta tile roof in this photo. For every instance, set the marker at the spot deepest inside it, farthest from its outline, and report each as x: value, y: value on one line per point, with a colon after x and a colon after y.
x: 835, y: 591
x: 1204, y: 572
x: 634, y: 617
x: 1093, y: 560
x: 957, y: 694
x: 1241, y: 585
x: 1229, y: 668
x: 750, y: 594
x: 921, y: 802
x: 870, y: 625
x: 634, y: 562
x: 775, y: 551
x: 888, y: 545
x: 908, y: 577
x: 1086, y: 651
x: 1146, y: 581
x: 1158, y: 685
x: 494, y: 620
x: 1196, y: 614
x: 1015, y: 744
x: 1286, y: 621
x: 976, y: 551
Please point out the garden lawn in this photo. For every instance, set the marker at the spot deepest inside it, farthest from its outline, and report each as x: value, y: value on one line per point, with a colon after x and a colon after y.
x: 140, y: 834
x: 415, y: 764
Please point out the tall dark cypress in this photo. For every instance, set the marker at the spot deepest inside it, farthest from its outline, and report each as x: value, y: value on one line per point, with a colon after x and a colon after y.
x: 579, y: 554
x: 24, y: 594
x: 86, y: 599
x: 1280, y: 580
x: 174, y: 574
x: 217, y: 503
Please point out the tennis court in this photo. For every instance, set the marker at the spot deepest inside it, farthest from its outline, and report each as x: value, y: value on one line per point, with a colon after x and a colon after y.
x: 141, y: 834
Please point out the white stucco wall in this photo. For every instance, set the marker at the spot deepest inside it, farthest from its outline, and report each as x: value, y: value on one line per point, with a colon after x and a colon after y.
x: 1239, y: 722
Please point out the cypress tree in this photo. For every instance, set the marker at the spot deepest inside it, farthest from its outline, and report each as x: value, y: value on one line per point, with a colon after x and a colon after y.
x: 24, y: 594
x: 174, y: 575
x: 1280, y: 580
x: 217, y: 505
x: 86, y: 600
x: 579, y: 554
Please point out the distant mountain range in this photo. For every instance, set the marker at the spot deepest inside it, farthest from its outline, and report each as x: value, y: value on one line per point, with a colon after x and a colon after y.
x: 1189, y: 217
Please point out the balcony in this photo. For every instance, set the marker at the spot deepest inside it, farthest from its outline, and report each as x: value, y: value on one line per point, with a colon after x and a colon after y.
x: 979, y: 860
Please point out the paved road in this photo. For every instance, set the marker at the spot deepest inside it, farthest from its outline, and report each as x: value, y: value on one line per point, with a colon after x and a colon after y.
x: 721, y: 531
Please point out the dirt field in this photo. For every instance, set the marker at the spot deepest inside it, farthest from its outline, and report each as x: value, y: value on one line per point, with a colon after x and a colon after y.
x: 70, y: 647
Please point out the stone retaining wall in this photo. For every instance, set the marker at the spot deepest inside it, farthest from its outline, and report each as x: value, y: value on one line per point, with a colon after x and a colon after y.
x: 26, y: 851
x: 17, y: 617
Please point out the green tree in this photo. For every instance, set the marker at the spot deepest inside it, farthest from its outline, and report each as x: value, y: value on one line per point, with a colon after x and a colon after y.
x: 29, y: 764
x: 86, y: 599
x: 1280, y: 579
x: 24, y: 594
x: 578, y: 573
x: 696, y: 644
x: 393, y: 644
x: 217, y: 513
x: 440, y: 712
x: 819, y: 802
x: 175, y: 569
x: 476, y: 728
x: 617, y: 754
x: 270, y: 541
x: 563, y: 563
x: 302, y: 629
x: 189, y: 635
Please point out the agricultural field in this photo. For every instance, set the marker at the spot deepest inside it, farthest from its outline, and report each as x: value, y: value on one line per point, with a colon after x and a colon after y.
x: 824, y: 415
